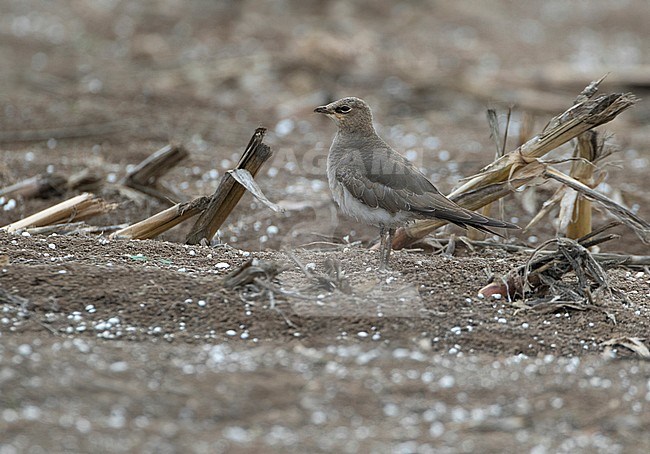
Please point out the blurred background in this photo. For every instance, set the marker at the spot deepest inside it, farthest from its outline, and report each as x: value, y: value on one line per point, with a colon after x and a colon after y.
x: 102, y: 84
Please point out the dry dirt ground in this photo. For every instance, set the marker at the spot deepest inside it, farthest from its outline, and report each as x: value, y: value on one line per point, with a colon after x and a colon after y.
x: 137, y: 346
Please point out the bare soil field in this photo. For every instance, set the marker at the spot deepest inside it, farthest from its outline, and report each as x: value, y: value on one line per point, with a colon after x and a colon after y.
x: 111, y: 345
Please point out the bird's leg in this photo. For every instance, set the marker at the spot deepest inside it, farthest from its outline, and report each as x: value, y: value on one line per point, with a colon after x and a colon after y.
x: 382, y: 246
x: 388, y: 248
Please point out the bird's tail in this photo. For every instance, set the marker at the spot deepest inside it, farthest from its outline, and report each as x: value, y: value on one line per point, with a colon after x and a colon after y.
x: 467, y: 218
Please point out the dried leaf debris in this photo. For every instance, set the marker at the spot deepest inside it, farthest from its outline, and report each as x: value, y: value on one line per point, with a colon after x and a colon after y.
x: 542, y: 279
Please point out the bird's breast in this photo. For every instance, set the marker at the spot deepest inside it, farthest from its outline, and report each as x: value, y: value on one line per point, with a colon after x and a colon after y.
x: 355, y: 208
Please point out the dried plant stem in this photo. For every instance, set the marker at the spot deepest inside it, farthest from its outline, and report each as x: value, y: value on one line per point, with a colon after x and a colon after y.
x: 579, y: 118
x: 144, y: 177
x: 50, y: 185
x: 640, y: 226
x: 583, y: 171
x: 77, y: 208
x: 626, y: 260
x: 227, y: 195
x: 493, y: 123
x: 163, y: 221
x: 42, y: 186
x: 547, y: 207
x: 75, y: 228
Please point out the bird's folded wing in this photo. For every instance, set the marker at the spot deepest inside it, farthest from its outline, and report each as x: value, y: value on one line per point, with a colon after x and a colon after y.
x: 405, y: 188
x: 396, y: 187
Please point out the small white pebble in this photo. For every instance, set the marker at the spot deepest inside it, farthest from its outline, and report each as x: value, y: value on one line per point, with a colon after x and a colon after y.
x: 231, y: 332
x: 272, y: 230
x: 25, y: 234
x: 481, y: 296
x: 497, y: 296
x: 201, y: 303
x: 119, y: 366
x: 10, y: 205
x: 52, y: 246
x: 446, y: 381
x: 222, y: 265
x: 284, y: 127
x: 436, y: 429
x: 362, y: 334
x: 101, y: 326
x: 25, y: 350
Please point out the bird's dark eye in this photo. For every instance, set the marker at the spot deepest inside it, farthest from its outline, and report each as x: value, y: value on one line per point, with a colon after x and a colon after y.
x: 343, y: 109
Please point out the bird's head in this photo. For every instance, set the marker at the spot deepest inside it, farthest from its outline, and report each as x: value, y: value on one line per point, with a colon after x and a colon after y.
x: 350, y: 114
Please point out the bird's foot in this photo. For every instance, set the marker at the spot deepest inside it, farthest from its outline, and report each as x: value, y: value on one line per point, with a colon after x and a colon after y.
x: 384, y: 269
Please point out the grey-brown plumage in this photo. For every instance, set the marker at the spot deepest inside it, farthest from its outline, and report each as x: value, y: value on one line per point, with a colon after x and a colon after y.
x: 373, y: 183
